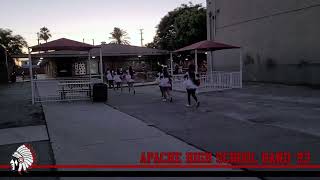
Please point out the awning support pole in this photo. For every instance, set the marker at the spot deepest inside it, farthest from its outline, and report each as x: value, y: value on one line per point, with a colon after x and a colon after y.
x: 241, y: 66
x: 89, y: 65
x: 101, y: 65
x: 7, y: 66
x: 171, y: 61
x: 31, y: 76
x: 211, y: 67
x: 196, y: 59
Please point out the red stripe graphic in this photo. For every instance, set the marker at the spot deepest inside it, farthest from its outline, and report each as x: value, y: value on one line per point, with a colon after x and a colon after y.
x: 171, y: 166
x: 5, y: 166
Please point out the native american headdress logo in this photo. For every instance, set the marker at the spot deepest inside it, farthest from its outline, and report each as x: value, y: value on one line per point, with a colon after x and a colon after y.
x: 22, y: 159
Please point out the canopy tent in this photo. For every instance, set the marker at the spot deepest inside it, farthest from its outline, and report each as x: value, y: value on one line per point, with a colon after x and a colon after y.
x: 58, y: 45
x: 210, y: 46
x: 207, y: 46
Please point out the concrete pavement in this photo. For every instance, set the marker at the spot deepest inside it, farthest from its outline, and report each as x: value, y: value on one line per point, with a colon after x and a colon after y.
x: 86, y: 133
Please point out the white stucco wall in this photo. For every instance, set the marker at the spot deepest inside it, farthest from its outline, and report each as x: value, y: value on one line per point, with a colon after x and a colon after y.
x: 286, y: 31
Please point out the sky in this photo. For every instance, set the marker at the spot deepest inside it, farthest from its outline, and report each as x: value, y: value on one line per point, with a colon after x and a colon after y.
x: 88, y: 19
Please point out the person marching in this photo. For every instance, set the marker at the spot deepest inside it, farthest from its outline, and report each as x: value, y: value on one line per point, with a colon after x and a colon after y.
x: 192, y: 83
x: 131, y: 72
x: 118, y: 80
x: 23, y: 76
x: 158, y: 80
x: 130, y: 82
x: 166, y: 85
x: 110, y: 79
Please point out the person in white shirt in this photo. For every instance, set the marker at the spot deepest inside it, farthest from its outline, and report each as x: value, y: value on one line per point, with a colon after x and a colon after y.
x: 192, y: 82
x: 158, y: 80
x: 130, y: 82
x: 166, y: 85
x: 118, y: 80
x: 110, y: 79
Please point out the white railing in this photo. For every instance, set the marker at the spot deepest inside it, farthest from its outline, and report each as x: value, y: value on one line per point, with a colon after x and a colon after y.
x: 55, y: 90
x: 214, y: 81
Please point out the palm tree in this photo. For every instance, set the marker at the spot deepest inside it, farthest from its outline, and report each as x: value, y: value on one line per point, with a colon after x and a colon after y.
x: 119, y: 36
x: 13, y: 43
x: 45, y: 34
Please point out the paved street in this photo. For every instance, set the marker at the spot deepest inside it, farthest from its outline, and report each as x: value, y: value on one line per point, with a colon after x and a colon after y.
x: 257, y: 118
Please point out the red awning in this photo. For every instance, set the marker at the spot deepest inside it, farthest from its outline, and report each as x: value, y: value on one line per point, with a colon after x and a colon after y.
x: 207, y: 46
x: 62, y: 44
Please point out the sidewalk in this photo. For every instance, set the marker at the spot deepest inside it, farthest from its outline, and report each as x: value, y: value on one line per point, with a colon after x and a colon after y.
x: 86, y: 133
x: 23, y: 134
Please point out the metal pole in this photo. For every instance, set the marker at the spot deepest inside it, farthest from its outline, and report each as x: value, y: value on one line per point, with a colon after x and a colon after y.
x: 196, y: 59
x: 241, y: 64
x: 38, y: 36
x: 101, y: 65
x: 7, y: 66
x: 211, y: 66
x: 31, y: 76
x: 141, y: 33
x: 89, y: 65
x: 209, y: 36
x: 215, y: 21
x: 171, y: 61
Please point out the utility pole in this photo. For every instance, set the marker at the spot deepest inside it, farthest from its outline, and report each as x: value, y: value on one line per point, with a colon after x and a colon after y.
x: 93, y: 42
x: 38, y: 35
x: 141, y: 33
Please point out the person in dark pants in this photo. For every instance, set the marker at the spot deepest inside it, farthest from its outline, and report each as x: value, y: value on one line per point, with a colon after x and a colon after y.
x: 130, y: 82
x: 192, y: 83
x: 158, y: 80
x: 166, y: 84
x: 118, y: 80
x: 110, y: 79
x: 131, y: 72
x: 22, y: 75
x: 192, y: 92
x: 13, y: 77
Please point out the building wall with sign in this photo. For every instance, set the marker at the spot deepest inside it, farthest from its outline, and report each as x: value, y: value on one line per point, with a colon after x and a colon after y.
x: 78, y: 66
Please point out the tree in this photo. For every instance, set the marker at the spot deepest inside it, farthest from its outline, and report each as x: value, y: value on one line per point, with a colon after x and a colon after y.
x: 13, y: 43
x: 151, y: 45
x: 119, y: 36
x: 181, y: 27
x: 45, y: 34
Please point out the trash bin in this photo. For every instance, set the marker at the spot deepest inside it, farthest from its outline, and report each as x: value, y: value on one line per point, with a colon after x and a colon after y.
x: 100, y: 92
x: 13, y: 78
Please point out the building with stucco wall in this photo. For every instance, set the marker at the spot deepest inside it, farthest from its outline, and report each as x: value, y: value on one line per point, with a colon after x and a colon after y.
x: 280, y: 39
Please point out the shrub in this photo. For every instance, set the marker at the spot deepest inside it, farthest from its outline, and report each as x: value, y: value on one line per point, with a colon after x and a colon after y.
x: 248, y: 59
x: 270, y: 63
x: 303, y: 63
